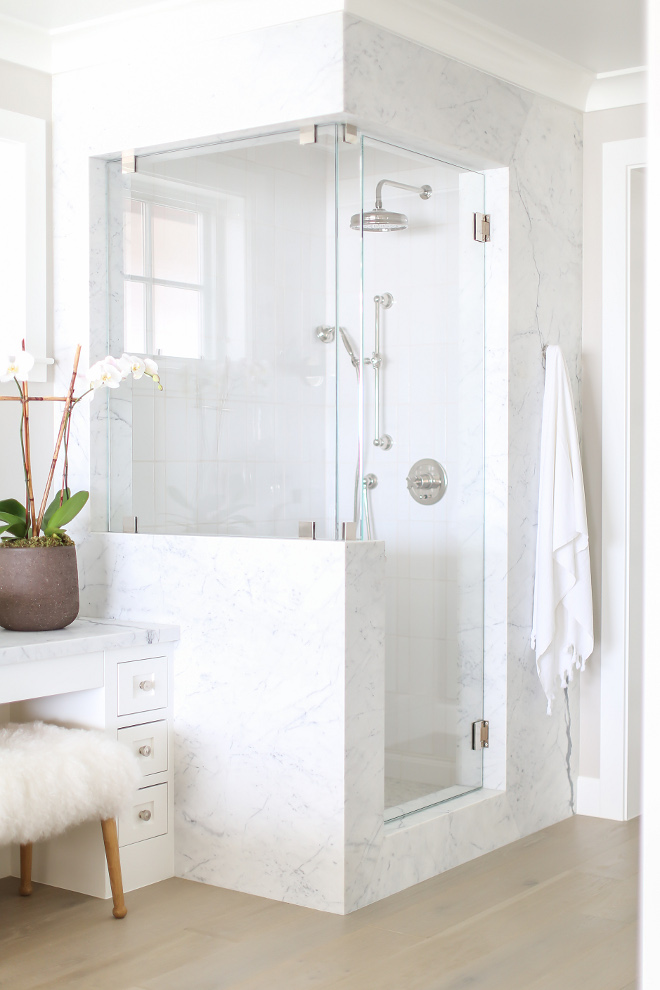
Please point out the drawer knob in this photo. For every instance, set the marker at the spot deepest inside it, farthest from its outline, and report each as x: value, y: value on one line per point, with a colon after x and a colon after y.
x: 147, y: 685
x: 145, y: 815
x: 145, y: 751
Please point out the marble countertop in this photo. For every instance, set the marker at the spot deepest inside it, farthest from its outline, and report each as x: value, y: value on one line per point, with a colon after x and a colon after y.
x: 82, y: 636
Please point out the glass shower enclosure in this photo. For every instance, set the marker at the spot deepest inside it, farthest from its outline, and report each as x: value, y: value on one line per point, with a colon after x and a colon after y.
x: 316, y: 309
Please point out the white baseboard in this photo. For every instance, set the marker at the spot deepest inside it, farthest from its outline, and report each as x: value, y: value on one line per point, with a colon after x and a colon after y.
x: 588, y: 797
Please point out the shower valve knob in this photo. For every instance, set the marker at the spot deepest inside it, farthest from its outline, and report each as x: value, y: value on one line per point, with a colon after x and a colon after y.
x: 427, y: 481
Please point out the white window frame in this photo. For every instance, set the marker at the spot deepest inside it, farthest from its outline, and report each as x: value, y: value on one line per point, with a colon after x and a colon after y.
x: 162, y: 192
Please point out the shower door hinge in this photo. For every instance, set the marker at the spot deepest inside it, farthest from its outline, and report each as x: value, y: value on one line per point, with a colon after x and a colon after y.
x: 480, y: 735
x: 128, y: 162
x: 482, y: 227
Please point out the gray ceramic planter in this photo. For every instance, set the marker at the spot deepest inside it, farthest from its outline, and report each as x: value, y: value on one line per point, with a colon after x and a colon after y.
x: 38, y: 588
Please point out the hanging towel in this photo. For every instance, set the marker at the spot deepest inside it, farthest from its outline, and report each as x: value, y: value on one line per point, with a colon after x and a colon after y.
x: 563, y: 625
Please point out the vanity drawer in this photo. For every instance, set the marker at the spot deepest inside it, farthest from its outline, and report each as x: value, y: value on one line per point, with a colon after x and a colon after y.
x: 149, y: 743
x: 147, y: 818
x: 141, y: 685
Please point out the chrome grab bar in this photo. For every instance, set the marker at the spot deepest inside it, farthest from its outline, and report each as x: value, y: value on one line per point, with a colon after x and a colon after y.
x: 385, y: 301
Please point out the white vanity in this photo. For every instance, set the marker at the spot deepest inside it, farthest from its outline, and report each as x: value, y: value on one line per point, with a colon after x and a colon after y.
x: 115, y: 677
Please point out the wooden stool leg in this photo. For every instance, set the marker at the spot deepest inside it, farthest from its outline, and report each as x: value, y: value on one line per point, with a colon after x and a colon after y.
x: 109, y: 827
x: 25, y: 888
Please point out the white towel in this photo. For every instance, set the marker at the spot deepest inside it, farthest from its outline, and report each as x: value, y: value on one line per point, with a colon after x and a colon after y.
x: 563, y: 625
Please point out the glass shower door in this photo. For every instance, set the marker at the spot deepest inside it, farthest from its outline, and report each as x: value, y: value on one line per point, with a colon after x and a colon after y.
x: 423, y: 469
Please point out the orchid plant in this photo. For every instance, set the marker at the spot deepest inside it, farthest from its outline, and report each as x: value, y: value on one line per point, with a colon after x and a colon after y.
x: 22, y: 524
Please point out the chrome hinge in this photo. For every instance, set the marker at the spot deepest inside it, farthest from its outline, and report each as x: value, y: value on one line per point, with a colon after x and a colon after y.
x: 480, y: 735
x: 482, y: 227
x: 351, y: 135
x: 308, y: 134
x: 128, y: 162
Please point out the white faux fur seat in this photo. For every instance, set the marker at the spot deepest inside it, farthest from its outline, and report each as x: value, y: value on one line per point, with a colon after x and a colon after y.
x: 53, y: 778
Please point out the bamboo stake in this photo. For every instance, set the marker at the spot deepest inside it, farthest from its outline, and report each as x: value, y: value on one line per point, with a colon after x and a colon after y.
x: 56, y: 454
x: 65, y: 470
x: 29, y: 506
x: 34, y: 398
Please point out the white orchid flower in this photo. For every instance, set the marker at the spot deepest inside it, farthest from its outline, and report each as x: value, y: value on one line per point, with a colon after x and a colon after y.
x: 122, y: 365
x: 104, y: 375
x: 137, y: 366
x: 16, y: 365
x: 151, y: 369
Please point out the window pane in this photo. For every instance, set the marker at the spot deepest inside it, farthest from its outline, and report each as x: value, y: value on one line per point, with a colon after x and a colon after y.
x: 177, y: 321
x: 133, y: 237
x: 175, y: 236
x: 134, y: 322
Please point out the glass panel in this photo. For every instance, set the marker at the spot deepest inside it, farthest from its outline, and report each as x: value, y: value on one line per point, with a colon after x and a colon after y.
x: 423, y: 296
x: 134, y: 317
x: 175, y: 238
x: 242, y: 440
x: 133, y: 237
x: 177, y: 321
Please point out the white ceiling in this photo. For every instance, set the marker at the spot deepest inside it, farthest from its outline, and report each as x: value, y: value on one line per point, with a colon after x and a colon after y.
x: 601, y: 35
x: 54, y: 14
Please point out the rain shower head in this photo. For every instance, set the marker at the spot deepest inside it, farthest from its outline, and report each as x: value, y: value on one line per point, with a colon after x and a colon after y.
x: 380, y: 219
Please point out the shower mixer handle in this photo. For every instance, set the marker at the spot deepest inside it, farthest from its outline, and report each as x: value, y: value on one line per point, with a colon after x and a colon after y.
x: 427, y: 481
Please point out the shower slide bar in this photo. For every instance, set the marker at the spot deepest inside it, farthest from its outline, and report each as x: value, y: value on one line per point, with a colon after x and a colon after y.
x: 385, y: 301
x: 368, y: 482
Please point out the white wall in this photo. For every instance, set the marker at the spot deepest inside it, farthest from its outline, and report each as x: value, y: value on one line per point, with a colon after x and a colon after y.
x: 599, y: 128
x: 27, y: 91
x: 24, y: 91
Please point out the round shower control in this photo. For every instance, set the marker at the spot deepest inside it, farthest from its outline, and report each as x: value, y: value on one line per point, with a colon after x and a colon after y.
x: 427, y: 481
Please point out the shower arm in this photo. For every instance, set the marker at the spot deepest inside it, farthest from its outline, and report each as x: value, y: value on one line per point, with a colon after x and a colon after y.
x: 423, y: 191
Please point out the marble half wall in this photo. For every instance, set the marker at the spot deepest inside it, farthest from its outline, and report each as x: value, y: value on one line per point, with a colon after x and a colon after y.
x: 279, y: 720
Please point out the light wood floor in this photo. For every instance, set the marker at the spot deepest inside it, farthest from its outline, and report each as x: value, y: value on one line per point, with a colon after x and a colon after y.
x: 555, y: 911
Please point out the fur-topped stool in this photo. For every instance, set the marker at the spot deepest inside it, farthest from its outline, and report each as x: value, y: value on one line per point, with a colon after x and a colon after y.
x: 53, y: 778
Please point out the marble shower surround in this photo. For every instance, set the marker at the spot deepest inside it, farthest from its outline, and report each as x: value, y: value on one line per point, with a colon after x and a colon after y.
x: 338, y: 67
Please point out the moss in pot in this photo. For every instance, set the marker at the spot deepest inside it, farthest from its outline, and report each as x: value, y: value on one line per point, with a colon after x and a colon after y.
x: 38, y: 568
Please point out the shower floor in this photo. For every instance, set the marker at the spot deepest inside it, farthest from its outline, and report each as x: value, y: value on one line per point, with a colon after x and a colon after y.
x: 403, y: 797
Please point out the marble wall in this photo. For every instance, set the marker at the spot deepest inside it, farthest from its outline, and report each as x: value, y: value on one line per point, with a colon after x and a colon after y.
x: 241, y: 602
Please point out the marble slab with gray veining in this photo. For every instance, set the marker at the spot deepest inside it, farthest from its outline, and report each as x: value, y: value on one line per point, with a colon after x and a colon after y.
x: 82, y: 636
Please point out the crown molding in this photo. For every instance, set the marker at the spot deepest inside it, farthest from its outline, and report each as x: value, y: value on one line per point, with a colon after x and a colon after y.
x: 27, y: 45
x: 618, y: 89
x: 436, y: 24
x: 451, y: 31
